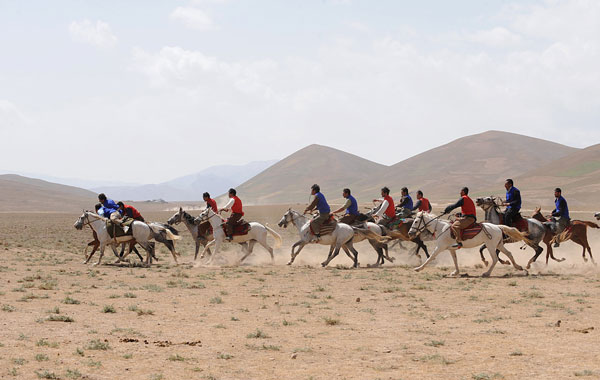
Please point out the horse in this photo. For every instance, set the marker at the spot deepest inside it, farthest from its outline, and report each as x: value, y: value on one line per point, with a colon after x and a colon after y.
x: 576, y: 232
x: 491, y: 235
x: 257, y: 233
x: 597, y: 215
x: 142, y: 233
x: 535, y: 229
x: 95, y: 244
x: 188, y: 220
x: 340, y: 238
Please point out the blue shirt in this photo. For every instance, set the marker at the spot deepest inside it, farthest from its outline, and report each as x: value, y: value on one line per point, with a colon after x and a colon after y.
x: 406, y: 202
x: 562, y: 209
x: 322, y: 205
x: 513, y: 196
x: 353, y: 209
x: 108, y: 207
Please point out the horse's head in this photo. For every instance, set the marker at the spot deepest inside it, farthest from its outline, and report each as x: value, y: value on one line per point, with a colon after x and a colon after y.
x: 176, y: 218
x: 205, y: 215
x: 79, y: 222
x: 287, y: 218
x: 597, y: 215
x: 418, y: 225
x: 485, y: 202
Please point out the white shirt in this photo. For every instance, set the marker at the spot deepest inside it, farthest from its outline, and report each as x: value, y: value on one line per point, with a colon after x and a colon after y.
x: 382, y: 208
x: 229, y: 204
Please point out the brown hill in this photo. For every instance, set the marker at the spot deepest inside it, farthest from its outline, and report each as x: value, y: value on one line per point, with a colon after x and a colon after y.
x: 290, y: 179
x: 578, y: 175
x: 19, y: 193
x: 477, y: 161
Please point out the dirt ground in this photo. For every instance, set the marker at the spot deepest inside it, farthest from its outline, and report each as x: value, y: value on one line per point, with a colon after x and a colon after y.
x: 63, y: 319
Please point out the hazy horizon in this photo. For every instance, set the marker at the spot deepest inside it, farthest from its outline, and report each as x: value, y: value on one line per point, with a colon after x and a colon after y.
x: 144, y: 92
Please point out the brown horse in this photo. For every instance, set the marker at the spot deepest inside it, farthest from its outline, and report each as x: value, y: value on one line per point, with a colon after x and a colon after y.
x: 576, y: 232
x: 95, y: 244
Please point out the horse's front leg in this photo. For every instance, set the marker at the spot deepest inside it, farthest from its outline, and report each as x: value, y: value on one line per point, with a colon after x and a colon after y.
x: 95, y: 244
x: 217, y: 244
x: 102, y: 246
x: 436, y: 252
x: 332, y: 254
x: 207, y: 249
x: 197, y: 249
x: 492, y: 252
x: 300, y: 244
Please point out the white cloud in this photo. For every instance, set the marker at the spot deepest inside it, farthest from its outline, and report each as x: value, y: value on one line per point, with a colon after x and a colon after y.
x: 193, y: 18
x: 97, y: 34
x: 495, y: 37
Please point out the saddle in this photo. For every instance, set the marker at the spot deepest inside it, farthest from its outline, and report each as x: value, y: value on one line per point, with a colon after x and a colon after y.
x: 519, y: 222
x: 114, y: 230
x: 469, y: 232
x: 327, y: 227
x: 205, y: 229
x: 241, y: 228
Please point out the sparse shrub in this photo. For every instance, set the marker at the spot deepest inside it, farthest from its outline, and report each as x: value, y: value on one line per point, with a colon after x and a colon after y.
x: 71, y: 301
x: 216, y: 300
x: 97, y: 344
x: 258, y: 334
x: 331, y: 321
x: 109, y: 309
x: 41, y: 357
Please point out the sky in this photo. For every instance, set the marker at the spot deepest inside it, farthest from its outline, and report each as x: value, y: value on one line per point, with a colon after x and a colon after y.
x: 146, y: 91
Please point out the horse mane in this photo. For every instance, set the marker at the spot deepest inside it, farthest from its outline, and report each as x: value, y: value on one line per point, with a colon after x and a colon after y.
x: 188, y: 217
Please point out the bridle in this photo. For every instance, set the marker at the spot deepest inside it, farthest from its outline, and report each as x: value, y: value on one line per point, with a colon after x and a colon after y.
x: 87, y: 221
x: 420, y: 228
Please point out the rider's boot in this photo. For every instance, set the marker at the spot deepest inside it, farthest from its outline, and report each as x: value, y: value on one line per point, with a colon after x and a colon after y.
x: 458, y: 245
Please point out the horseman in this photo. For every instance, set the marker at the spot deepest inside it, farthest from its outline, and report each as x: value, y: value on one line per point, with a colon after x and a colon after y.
x: 130, y: 212
x: 351, y: 207
x: 560, y: 215
x: 422, y: 203
x: 235, y: 204
x: 387, y: 211
x: 406, y: 204
x: 466, y: 219
x: 109, y: 208
x: 210, y: 203
x: 512, y: 203
x: 320, y: 203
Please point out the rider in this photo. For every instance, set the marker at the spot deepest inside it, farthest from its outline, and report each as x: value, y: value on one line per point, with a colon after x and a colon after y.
x: 130, y: 211
x: 210, y: 203
x: 406, y: 203
x: 351, y: 207
x: 467, y: 218
x: 110, y: 210
x: 235, y: 204
x: 387, y: 211
x: 560, y: 215
x: 422, y: 203
x: 513, y: 202
x: 324, y: 210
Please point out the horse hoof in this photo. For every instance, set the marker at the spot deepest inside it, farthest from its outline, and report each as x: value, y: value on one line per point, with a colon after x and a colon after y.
x: 417, y: 269
x: 486, y: 274
x: 454, y: 274
x: 289, y: 263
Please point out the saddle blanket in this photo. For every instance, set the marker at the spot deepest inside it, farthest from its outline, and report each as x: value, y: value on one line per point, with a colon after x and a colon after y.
x: 115, y: 229
x: 469, y: 232
x: 327, y: 227
x: 239, y: 229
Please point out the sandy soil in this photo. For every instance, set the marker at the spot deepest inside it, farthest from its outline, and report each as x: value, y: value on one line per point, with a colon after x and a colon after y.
x: 63, y: 319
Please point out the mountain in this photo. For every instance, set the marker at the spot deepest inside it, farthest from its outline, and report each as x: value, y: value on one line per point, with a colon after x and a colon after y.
x: 290, y: 179
x: 216, y: 180
x: 478, y: 161
x: 76, y: 182
x: 18, y: 193
x: 578, y: 175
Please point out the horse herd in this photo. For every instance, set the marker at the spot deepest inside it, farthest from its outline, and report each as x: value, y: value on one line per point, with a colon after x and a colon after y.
x: 423, y: 227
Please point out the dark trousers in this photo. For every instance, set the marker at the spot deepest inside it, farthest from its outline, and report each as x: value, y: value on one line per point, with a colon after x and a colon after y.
x: 232, y: 221
x: 509, y: 216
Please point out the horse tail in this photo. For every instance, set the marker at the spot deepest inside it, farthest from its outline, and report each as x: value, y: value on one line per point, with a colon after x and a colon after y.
x: 589, y: 224
x: 168, y: 232
x: 278, y: 239
x: 370, y: 235
x: 515, y: 234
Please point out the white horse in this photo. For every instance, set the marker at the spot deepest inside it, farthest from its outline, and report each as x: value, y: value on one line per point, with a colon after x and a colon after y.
x: 141, y: 232
x: 491, y: 235
x: 341, y: 237
x: 257, y: 233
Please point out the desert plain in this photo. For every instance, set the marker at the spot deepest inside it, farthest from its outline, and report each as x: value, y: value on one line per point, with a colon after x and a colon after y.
x: 62, y: 319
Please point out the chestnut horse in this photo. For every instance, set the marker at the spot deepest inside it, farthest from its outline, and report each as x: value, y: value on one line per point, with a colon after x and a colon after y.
x: 576, y: 232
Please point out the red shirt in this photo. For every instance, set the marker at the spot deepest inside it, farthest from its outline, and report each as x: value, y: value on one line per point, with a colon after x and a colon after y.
x: 424, y: 206
x: 237, y: 206
x: 468, y: 207
x: 131, y: 212
x: 212, y: 204
x: 390, y: 211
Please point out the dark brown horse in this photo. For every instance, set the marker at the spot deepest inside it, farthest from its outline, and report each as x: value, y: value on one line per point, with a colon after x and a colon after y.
x: 576, y: 232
